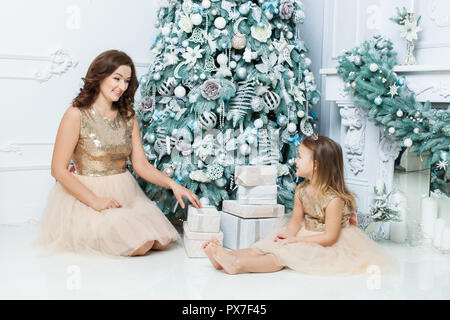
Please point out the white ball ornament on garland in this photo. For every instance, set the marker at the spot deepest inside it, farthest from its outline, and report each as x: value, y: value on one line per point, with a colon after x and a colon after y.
x: 165, y: 31
x: 206, y: 4
x: 301, y: 113
x: 180, y: 92
x: 168, y: 171
x: 289, y: 35
x: 258, y: 123
x: 233, y: 64
x: 244, y: 9
x: 408, y: 142
x: 416, y: 130
x: 399, y: 113
x: 244, y: 149
x: 222, y: 182
x: 203, y: 76
x: 222, y: 59
x: 373, y: 67
x: 391, y: 130
x: 157, y: 76
x: 196, y: 19
x: 214, y: 12
x: 378, y: 101
x: 292, y: 127
x: 220, y: 23
x: 242, y: 73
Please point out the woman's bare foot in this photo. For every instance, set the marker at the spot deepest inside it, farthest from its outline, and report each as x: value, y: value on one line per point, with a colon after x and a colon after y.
x: 227, y: 260
x: 210, y: 251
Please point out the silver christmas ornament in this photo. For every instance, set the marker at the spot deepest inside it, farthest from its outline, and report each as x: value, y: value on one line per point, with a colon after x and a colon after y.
x: 168, y: 171
x: 242, y: 73
x: 207, y: 120
x: 272, y: 100
x: 167, y: 88
x: 244, y: 149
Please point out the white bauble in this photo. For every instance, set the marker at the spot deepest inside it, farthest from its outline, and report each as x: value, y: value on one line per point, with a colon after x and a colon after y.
x: 308, y: 62
x: 222, y: 59
x: 289, y: 35
x: 301, y: 113
x: 233, y: 64
x: 251, y: 139
x: 408, y: 142
x: 206, y: 4
x: 373, y: 67
x: 196, y: 19
x: 157, y: 76
x: 392, y: 130
x: 221, y: 182
x: 416, y: 130
x: 165, y: 31
x: 258, y: 123
x: 242, y: 73
x: 291, y: 73
x: 220, y: 23
x: 180, y: 92
x: 174, y: 40
x: 203, y: 76
x: 169, y: 171
x: 271, y: 48
x: 214, y: 12
x: 399, y: 113
x: 185, y: 43
x: 292, y: 127
x: 244, y: 149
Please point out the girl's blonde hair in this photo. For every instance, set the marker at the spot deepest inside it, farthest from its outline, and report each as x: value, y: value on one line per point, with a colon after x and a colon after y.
x: 330, y: 167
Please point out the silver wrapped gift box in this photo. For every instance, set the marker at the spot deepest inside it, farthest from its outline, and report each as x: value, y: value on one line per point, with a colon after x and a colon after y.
x: 240, y: 233
x: 252, y: 211
x: 257, y: 195
x: 205, y: 219
x: 193, y: 241
x: 251, y: 176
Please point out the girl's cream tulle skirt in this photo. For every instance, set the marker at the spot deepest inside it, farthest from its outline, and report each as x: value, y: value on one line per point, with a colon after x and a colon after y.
x: 353, y: 253
x: 70, y: 225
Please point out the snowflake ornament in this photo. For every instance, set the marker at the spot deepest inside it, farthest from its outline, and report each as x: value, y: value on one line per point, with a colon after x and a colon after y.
x: 442, y: 165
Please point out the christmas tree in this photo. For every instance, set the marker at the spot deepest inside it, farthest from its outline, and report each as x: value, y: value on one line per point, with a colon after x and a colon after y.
x: 229, y: 85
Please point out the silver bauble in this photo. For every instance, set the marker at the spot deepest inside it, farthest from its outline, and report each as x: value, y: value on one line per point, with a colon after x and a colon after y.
x: 257, y: 104
x: 242, y: 73
x: 239, y: 41
x: 244, y: 149
x: 169, y: 171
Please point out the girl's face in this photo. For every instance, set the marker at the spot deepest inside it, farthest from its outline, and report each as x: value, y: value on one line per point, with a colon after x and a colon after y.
x: 305, y: 162
x: 113, y: 86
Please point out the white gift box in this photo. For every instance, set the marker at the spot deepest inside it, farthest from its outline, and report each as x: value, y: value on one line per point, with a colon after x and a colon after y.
x: 257, y: 195
x: 193, y: 241
x: 252, y: 211
x: 205, y: 219
x: 251, y: 176
x: 240, y: 233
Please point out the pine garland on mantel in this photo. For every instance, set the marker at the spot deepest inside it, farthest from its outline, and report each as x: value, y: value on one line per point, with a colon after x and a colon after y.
x: 368, y: 73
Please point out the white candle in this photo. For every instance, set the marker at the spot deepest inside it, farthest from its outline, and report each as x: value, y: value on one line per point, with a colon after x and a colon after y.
x: 398, y: 229
x: 411, y: 9
x: 439, y: 226
x: 429, y: 215
x: 445, y: 243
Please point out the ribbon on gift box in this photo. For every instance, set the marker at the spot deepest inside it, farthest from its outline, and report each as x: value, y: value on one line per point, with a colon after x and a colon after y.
x: 257, y: 232
x: 255, y: 175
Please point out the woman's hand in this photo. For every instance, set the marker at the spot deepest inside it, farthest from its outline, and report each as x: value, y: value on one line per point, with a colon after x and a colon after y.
x: 285, y: 238
x: 181, y: 192
x: 101, y: 204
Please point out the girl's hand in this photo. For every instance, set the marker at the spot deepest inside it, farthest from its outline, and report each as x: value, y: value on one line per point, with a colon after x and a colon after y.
x: 101, y: 204
x: 285, y: 238
x: 181, y: 192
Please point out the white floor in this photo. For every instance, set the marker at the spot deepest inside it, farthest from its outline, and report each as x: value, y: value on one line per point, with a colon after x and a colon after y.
x: 26, y: 274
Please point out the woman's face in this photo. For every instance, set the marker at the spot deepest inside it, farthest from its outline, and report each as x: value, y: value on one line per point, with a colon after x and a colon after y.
x: 305, y: 162
x: 113, y: 86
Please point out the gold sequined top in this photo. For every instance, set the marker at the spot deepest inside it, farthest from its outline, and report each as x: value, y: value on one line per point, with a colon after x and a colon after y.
x: 104, y: 144
x: 314, y: 208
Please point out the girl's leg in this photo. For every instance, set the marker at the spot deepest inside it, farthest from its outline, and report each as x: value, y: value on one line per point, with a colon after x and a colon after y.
x: 233, y: 264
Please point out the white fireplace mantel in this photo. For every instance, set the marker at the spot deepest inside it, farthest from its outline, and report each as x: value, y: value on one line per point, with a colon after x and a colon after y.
x: 369, y: 154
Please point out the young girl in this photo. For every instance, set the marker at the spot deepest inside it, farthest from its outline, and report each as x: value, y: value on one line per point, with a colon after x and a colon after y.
x: 318, y: 238
x: 101, y: 208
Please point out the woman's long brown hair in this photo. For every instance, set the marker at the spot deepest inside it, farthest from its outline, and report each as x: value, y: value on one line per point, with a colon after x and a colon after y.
x: 330, y: 167
x: 102, y: 67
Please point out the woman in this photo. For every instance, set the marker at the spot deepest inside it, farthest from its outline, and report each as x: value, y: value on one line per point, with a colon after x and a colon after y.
x: 101, y: 208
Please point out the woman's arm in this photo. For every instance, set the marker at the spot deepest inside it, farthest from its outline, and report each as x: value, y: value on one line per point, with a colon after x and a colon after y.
x: 149, y: 173
x: 333, y: 216
x: 66, y: 140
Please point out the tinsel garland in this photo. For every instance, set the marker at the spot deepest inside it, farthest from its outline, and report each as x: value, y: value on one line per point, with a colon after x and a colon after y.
x: 368, y: 73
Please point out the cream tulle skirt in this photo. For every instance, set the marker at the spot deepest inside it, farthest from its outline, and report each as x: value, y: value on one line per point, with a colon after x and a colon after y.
x: 70, y: 225
x: 353, y: 253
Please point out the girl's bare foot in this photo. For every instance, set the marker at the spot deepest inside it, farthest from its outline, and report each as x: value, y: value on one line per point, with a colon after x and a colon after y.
x: 226, y: 260
x: 210, y: 251
x: 212, y: 240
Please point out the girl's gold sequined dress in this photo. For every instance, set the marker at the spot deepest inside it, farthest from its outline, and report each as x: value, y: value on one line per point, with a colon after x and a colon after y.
x: 100, y: 162
x: 353, y: 253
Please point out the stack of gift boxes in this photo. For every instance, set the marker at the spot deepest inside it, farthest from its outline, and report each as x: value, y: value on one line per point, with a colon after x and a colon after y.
x: 201, y: 225
x: 255, y: 213
x: 242, y: 222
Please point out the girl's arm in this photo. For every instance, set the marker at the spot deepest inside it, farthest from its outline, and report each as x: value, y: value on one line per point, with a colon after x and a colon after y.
x: 295, y: 224
x: 149, y: 173
x: 333, y: 216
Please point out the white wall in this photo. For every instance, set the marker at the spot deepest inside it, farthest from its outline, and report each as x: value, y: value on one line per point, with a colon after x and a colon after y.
x: 31, y: 31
